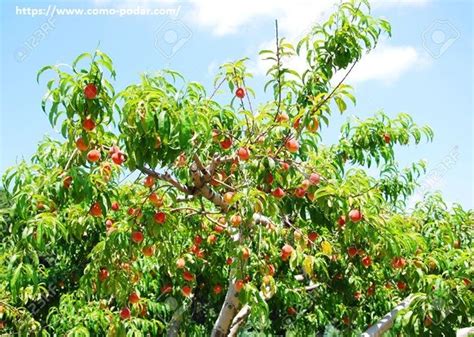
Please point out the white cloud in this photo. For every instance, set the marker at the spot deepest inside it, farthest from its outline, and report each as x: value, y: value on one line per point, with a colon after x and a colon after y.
x: 227, y: 18
x: 260, y: 67
x: 386, y: 63
x: 391, y: 3
x: 294, y: 17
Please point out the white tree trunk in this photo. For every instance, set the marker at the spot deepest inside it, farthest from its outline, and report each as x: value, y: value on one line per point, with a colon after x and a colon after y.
x: 379, y: 328
x: 227, y: 313
x: 239, y: 320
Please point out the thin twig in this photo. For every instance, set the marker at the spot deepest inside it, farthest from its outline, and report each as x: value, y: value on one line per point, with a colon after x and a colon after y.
x: 278, y: 70
x: 278, y: 81
x: 288, y: 136
x: 68, y: 164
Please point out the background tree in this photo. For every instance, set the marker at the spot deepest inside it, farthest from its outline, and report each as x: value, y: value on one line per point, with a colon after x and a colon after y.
x: 165, y: 210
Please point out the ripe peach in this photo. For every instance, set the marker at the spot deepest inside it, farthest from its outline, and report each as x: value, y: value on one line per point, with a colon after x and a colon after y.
x: 398, y: 262
x: 96, y: 209
x: 149, y: 181
x: 118, y: 158
x: 188, y: 276
x: 93, y: 156
x: 371, y: 290
x: 134, y: 298
x: 211, y: 239
x: 240, y: 93
x: 186, y: 290
x: 292, y: 145
x: 269, y: 178
x: 366, y: 261
x: 125, y: 313
x: 300, y: 192
x: 180, y: 263
x: 226, y: 143
x: 88, y: 124
x: 314, y: 178
x: 355, y: 215
x: 197, y: 240
x: 286, y: 252
x: 285, y: 166
x: 160, y: 217
x: 108, y: 223
x: 228, y: 197
x: 341, y: 221
x: 219, y: 228
x: 156, y: 200
x: 357, y: 295
x: 297, y: 123
x: 352, y: 251
x: 236, y: 220
x: 239, y: 284
x: 166, y: 288
x: 313, y: 236
x: 90, y: 91
x: 217, y: 289
x: 137, y: 237
x: 103, y: 274
x: 271, y: 270
x: 243, y: 153
x: 401, y: 285
x: 278, y: 193
x: 245, y: 253
x: 291, y: 311
x: 81, y: 145
x: 143, y: 310
x: 305, y: 184
x: 67, y: 181
x: 148, y: 251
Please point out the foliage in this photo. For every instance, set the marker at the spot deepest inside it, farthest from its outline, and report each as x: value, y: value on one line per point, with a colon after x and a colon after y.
x: 188, y: 192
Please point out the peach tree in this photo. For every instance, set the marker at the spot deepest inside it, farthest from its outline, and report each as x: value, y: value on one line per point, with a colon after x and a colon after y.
x: 168, y: 209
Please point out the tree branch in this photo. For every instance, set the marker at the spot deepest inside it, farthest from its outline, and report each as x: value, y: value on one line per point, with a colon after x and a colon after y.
x: 68, y: 164
x: 204, y: 190
x: 239, y: 320
x: 175, y: 323
x: 166, y: 177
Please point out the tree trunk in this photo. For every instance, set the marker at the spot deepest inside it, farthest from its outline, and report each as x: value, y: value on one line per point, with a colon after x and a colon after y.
x: 239, y: 320
x: 227, y: 313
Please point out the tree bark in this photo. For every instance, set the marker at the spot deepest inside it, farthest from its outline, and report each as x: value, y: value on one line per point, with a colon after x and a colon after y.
x: 227, y: 313
x: 239, y: 320
x: 379, y: 328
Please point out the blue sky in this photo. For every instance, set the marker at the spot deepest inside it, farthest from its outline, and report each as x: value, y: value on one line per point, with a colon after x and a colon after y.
x: 425, y: 69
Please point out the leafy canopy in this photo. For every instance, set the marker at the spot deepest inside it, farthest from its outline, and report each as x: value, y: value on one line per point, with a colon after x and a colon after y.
x: 164, y: 210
